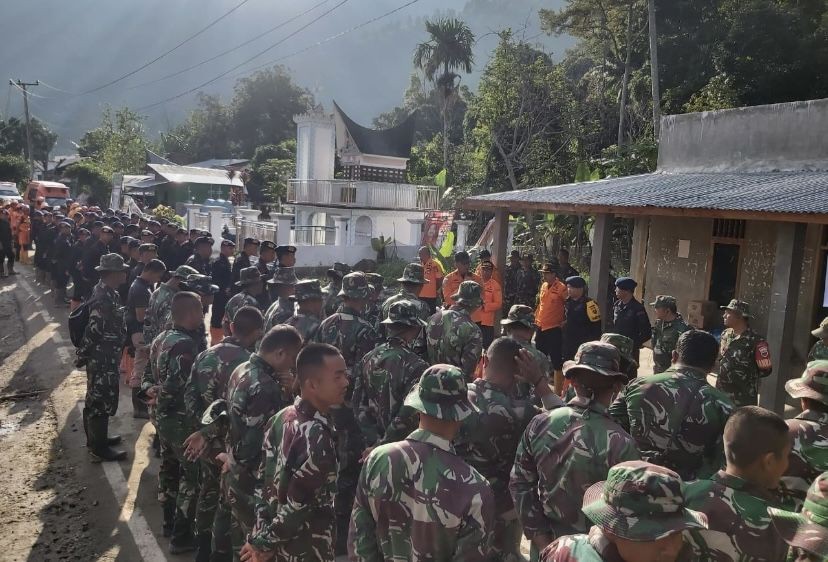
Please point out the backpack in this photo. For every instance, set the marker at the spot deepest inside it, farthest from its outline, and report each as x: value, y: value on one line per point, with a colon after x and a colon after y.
x: 78, y: 320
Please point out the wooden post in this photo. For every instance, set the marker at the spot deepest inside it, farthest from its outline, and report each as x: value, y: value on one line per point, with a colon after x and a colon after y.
x: 500, y: 238
x: 599, y: 270
x: 787, y: 272
x: 638, y: 259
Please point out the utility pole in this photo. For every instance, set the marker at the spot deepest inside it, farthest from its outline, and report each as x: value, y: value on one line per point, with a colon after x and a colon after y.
x: 23, y: 85
x: 654, y: 68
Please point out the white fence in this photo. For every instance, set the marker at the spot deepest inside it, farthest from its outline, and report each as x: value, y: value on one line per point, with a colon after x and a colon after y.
x: 363, y: 194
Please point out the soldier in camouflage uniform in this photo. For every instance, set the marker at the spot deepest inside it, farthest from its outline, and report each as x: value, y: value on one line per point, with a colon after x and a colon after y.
x: 332, y: 290
x: 676, y: 417
x: 257, y: 390
x: 283, y: 283
x: 510, y: 281
x: 418, y: 500
x: 639, y: 513
x: 628, y: 364
x: 157, y: 316
x: 528, y: 282
x: 309, y: 300
x: 806, y: 533
x: 669, y: 325
x: 411, y: 283
x: 347, y: 331
x: 103, y: 340
x: 208, y: 381
x: 295, y: 516
x: 385, y: 376
x: 519, y: 325
x: 809, y: 430
x: 736, y: 500
x: 252, y: 288
x: 374, y: 306
x: 453, y: 338
x: 819, y: 350
x: 489, y: 437
x: 567, y: 450
x: 171, y: 356
x: 744, y: 357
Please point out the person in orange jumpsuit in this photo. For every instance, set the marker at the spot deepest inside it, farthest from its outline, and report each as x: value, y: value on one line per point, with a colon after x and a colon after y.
x: 492, y: 294
x: 549, y: 317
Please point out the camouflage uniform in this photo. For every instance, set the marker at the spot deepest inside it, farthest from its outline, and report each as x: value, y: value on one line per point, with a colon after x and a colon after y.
x: 510, y: 286
x: 819, y: 350
x: 333, y: 299
x: 413, y: 273
x: 565, y: 451
x: 809, y: 431
x: 453, y: 338
x: 522, y: 314
x: 103, y: 340
x: 677, y: 420
x: 208, y: 381
x: 665, y: 335
x: 254, y: 395
x: 237, y: 302
x: 295, y: 516
x: 282, y: 308
x: 743, y: 360
x: 806, y: 532
x: 417, y: 500
x: 739, y: 524
x: 528, y: 283
x: 639, y: 502
x: 382, y: 380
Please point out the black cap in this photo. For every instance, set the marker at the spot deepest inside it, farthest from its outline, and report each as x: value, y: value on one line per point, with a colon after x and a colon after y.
x: 97, y: 224
x: 229, y: 243
x: 251, y: 241
x: 462, y: 256
x: 107, y: 229
x: 282, y: 250
x: 576, y: 281
x: 267, y: 245
x: 203, y: 240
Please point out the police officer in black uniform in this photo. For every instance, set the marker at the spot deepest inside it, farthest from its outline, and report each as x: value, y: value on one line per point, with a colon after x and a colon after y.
x: 250, y: 247
x: 629, y: 318
x: 583, y: 317
x: 200, y: 260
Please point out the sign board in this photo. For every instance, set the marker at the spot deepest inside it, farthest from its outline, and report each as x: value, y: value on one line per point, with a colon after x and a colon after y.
x: 437, y: 224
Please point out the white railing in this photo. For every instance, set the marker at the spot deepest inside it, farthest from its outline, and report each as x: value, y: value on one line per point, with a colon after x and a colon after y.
x: 255, y: 229
x: 202, y: 221
x: 312, y: 235
x: 363, y: 194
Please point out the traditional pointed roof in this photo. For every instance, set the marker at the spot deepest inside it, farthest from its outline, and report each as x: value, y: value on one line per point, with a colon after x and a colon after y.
x: 395, y: 142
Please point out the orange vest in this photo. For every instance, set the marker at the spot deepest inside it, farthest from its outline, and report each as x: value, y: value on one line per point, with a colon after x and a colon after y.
x: 433, y: 272
x: 492, y: 302
x: 452, y: 282
x: 495, y: 273
x: 551, y: 306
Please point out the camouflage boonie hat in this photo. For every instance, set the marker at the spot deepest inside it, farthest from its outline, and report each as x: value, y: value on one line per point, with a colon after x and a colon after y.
x: 201, y: 284
x: 822, y: 331
x: 184, y: 271
x: 215, y: 411
x: 812, y: 384
x: 339, y: 270
x: 441, y: 393
x: 248, y: 276
x: 641, y: 502
x: 623, y: 344
x: 597, y: 357
x: 520, y: 314
x: 665, y: 301
x: 355, y: 286
x: 413, y: 273
x: 469, y: 294
x: 308, y: 289
x: 741, y: 307
x: 375, y: 280
x: 283, y: 276
x: 404, y: 312
x: 112, y: 262
x: 807, y: 530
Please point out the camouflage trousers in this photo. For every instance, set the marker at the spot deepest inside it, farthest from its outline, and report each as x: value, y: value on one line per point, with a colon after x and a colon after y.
x: 744, y: 394
x: 208, y: 496
x: 222, y: 545
x: 102, y: 379
x: 171, y: 434
x: 169, y: 474
x: 238, y: 486
x: 506, y: 536
x: 349, y: 445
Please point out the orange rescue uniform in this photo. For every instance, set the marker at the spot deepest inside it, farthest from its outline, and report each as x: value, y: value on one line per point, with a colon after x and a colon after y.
x: 492, y: 302
x: 451, y: 284
x: 551, y: 310
x: 433, y: 272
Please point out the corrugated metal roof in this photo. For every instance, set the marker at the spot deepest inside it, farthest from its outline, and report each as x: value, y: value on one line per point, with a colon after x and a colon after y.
x: 218, y: 163
x: 768, y: 192
x: 187, y: 174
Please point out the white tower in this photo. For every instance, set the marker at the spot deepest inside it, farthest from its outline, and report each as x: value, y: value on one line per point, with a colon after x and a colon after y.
x: 315, y: 145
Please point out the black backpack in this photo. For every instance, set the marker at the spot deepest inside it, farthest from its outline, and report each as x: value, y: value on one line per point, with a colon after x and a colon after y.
x: 78, y: 320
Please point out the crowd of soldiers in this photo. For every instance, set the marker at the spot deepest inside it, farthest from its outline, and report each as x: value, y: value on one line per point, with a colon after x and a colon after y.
x: 448, y: 419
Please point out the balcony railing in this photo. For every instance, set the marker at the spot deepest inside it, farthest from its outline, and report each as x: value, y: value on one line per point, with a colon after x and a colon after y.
x: 363, y: 194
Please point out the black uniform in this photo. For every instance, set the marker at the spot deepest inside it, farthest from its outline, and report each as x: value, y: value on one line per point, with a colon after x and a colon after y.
x: 76, y: 271
x: 242, y: 261
x: 199, y: 264
x: 583, y: 324
x: 631, y: 320
x: 61, y: 258
x: 222, y: 275
x: 91, y: 259
x: 45, y: 240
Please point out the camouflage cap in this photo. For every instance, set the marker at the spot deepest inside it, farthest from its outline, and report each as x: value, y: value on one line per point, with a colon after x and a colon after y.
x: 184, y: 271
x: 623, y: 344
x: 822, y: 331
x: 807, y: 530
x: 413, y: 273
x: 339, y: 270
x: 404, y: 312
x: 248, y: 276
x: 468, y: 294
x: 441, y: 393
x: 215, y: 411
x: 520, y: 314
x: 111, y: 262
x: 283, y: 276
x: 201, y: 284
x: 355, y: 286
x: 741, y: 307
x: 812, y: 384
x: 665, y: 301
x: 375, y: 280
x: 641, y: 502
x: 601, y: 358
x: 308, y: 289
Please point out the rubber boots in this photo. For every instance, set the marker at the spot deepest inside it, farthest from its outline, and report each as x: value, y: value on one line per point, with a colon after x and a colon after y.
x: 168, y: 505
x: 204, y: 548
x: 100, y: 450
x: 11, y: 269
x: 139, y: 407
x: 110, y: 439
x: 182, y: 535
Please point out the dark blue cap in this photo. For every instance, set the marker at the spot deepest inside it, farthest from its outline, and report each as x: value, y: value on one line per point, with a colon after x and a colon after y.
x: 576, y: 281
x: 626, y: 283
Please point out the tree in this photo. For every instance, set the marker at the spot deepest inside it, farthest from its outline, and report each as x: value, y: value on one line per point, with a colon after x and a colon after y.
x: 271, y: 168
x: 13, y: 139
x: 118, y: 145
x: 13, y: 168
x: 203, y: 135
x: 90, y: 178
x: 448, y: 49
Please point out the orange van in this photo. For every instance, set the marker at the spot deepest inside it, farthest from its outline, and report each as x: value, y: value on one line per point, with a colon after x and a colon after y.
x: 54, y: 193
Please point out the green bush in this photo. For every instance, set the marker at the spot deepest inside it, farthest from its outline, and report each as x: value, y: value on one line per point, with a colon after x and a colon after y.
x: 164, y: 212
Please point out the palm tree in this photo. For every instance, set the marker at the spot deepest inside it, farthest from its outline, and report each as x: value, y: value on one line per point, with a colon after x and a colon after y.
x: 448, y: 50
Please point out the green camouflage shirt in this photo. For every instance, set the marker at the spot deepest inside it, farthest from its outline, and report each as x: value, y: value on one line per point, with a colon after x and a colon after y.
x: 562, y: 453
x: 416, y: 500
x: 348, y: 332
x: 278, y: 313
x: 106, y: 328
x: 665, y: 337
x: 739, y: 372
x: 594, y: 547
x: 295, y: 516
x: 382, y: 380
x: 739, y: 527
x: 818, y: 351
x: 677, y: 420
x: 524, y: 389
x: 453, y: 338
x: 158, y: 314
x: 171, y: 357
x: 332, y: 298
x: 809, y: 454
x: 404, y: 295
x: 234, y: 304
x: 306, y: 324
